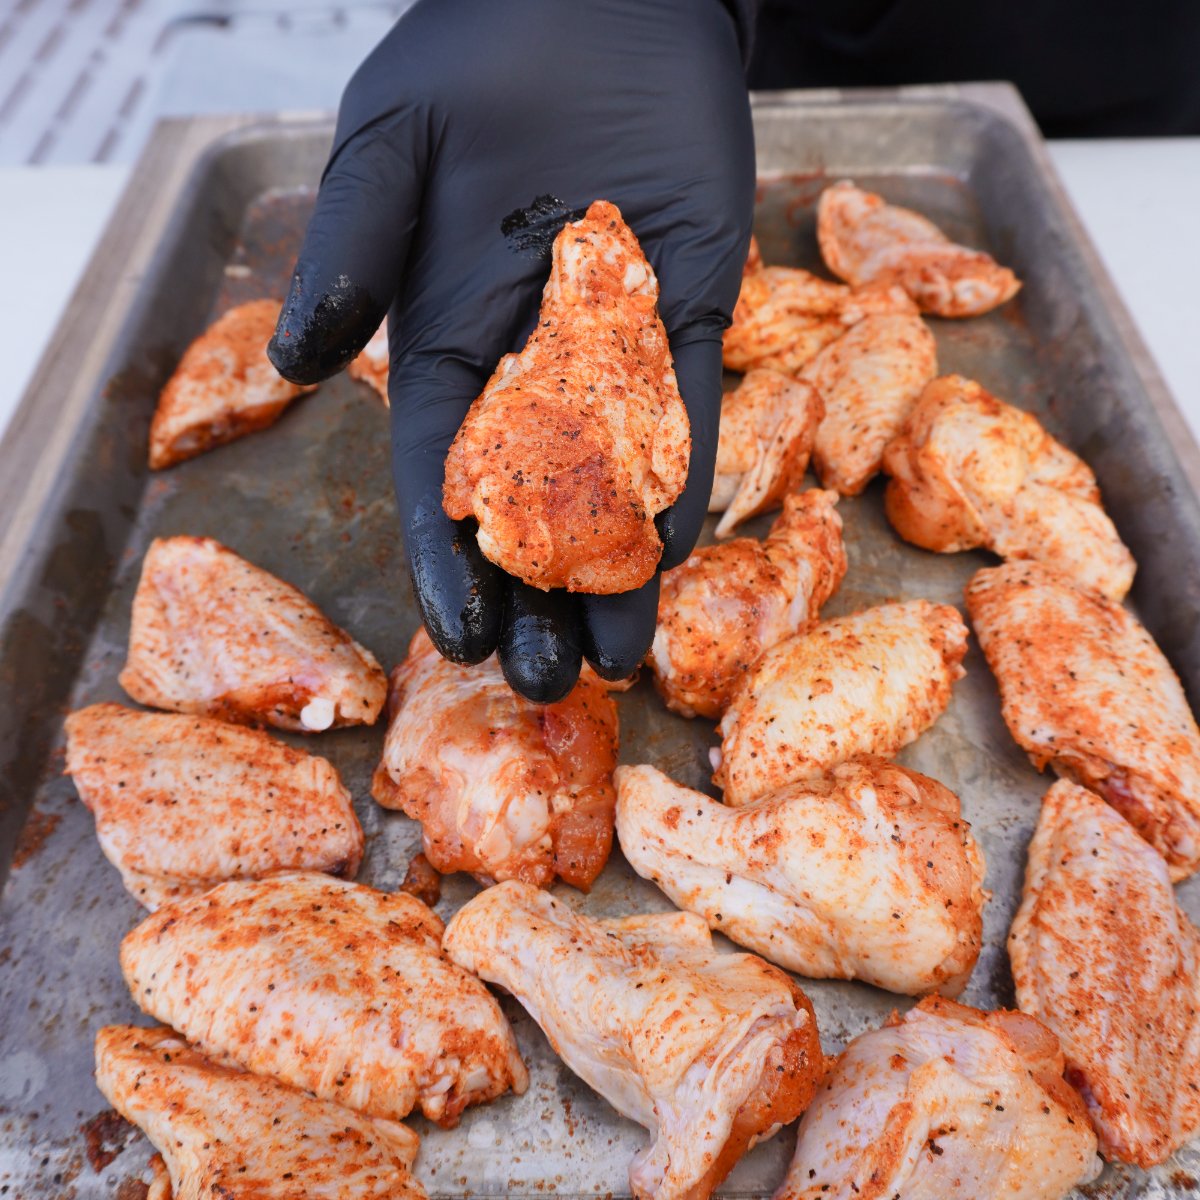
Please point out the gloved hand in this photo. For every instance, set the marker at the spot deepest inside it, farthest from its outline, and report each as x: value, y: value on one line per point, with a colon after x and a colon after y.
x: 464, y: 114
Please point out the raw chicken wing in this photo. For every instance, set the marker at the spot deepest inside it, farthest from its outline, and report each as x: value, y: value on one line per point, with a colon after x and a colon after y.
x: 861, y: 685
x: 1085, y: 688
x: 224, y: 387
x: 328, y: 986
x: 727, y: 604
x: 503, y: 788
x: 1102, y: 954
x: 785, y: 315
x: 868, y: 380
x: 866, y: 240
x: 370, y: 366
x: 212, y: 633
x: 581, y: 439
x: 946, y: 1103
x: 182, y: 803
x: 226, y: 1135
x: 710, y: 1052
x: 969, y: 470
x: 869, y: 873
x: 768, y: 428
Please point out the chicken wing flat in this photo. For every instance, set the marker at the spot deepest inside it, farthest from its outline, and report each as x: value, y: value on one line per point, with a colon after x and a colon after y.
x: 212, y: 633
x: 224, y: 1133
x: 328, y: 986
x: 503, y: 788
x: 1104, y: 957
x: 768, y: 429
x: 710, y: 1052
x: 969, y: 470
x: 1085, y: 688
x: 370, y: 366
x: 725, y: 606
x: 182, y: 803
x: 870, y: 873
x: 578, y: 441
x: 224, y: 387
x: 861, y: 685
x: 865, y: 240
x: 945, y: 1102
x: 868, y: 380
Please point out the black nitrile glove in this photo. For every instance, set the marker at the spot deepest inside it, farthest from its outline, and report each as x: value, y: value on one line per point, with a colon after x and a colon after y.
x: 464, y: 114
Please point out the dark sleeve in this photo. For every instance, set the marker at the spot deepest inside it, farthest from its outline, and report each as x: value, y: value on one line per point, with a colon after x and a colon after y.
x: 744, y: 13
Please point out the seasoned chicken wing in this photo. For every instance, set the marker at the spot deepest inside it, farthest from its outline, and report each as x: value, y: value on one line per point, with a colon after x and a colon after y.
x: 581, y: 439
x: 768, y: 428
x: 720, y: 610
x: 223, y: 1133
x: 946, y: 1102
x: 785, y: 315
x: 710, y: 1052
x: 864, y: 684
x: 868, y: 380
x: 869, y: 873
x: 865, y: 240
x: 503, y: 788
x: 182, y: 803
x: 1102, y: 955
x: 969, y: 470
x: 370, y: 365
x: 212, y: 633
x: 328, y: 986
x: 224, y: 387
x: 1084, y: 688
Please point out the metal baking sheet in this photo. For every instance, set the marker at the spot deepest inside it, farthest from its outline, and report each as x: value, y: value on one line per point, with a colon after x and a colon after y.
x: 212, y: 217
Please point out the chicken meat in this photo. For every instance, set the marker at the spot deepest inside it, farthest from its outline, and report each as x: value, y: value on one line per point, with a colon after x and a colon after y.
x: 328, y: 986
x: 214, y: 634
x: 869, y: 381
x: 503, y: 788
x: 577, y: 442
x: 725, y: 606
x: 224, y: 387
x: 868, y: 873
x: 768, y: 429
x: 182, y: 803
x: 969, y: 470
x: 370, y: 366
x: 865, y: 240
x: 860, y: 685
x: 223, y: 1133
x: 1104, y: 956
x: 945, y: 1102
x: 1085, y: 688
x: 710, y: 1052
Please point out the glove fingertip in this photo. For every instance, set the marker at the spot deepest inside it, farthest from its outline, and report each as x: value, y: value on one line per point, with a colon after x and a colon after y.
x: 618, y: 630
x: 539, y: 643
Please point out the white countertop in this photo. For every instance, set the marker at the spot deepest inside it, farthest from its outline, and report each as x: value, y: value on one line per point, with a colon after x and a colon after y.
x: 1138, y: 200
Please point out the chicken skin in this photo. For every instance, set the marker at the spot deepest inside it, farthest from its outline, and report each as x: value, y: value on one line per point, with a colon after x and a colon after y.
x: 224, y: 387
x: 768, y: 429
x: 969, y: 470
x: 725, y: 606
x: 861, y: 685
x: 1104, y: 957
x: 945, y: 1102
x: 370, y: 366
x: 865, y: 240
x: 869, y: 873
x: 710, y: 1052
x: 182, y: 803
x: 224, y: 1133
x: 1085, y: 688
x: 581, y: 439
x: 328, y: 986
x: 503, y: 788
x: 868, y: 380
x: 785, y: 315
x: 214, y: 634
